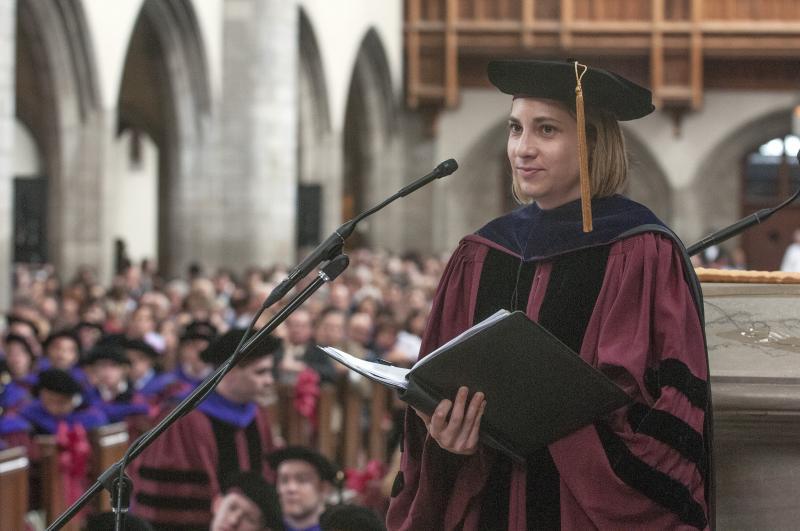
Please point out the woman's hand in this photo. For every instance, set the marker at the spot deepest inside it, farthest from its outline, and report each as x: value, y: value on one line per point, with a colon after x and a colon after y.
x: 459, y: 433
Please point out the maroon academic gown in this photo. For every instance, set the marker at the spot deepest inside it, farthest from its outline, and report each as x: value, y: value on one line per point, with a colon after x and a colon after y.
x: 177, y: 477
x: 644, y: 317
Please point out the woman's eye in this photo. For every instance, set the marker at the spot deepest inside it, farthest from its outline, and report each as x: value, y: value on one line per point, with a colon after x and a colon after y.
x: 514, y: 128
x: 548, y: 129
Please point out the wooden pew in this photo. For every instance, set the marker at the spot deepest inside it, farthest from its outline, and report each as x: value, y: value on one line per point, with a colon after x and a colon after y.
x: 14, y: 473
x: 109, y: 444
x: 50, y: 481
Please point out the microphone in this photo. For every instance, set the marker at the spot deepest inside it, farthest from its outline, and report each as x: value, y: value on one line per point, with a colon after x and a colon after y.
x: 744, y: 223
x: 332, y: 246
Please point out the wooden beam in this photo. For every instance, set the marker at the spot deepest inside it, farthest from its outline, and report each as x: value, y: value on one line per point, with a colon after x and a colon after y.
x: 528, y: 36
x: 657, y: 52
x: 413, y: 54
x: 451, y: 54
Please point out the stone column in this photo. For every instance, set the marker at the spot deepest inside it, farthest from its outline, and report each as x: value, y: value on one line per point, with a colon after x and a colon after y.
x: 7, y: 68
x: 254, y: 176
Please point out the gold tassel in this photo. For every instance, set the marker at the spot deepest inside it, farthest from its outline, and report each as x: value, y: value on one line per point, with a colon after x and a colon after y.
x: 583, y: 154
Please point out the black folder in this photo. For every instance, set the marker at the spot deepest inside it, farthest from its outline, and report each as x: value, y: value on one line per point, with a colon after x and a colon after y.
x: 537, y: 389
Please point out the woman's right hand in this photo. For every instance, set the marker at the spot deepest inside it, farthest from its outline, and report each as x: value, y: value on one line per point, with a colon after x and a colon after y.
x: 458, y: 433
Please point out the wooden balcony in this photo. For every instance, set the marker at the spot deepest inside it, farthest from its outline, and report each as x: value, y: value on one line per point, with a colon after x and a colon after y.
x: 677, y: 47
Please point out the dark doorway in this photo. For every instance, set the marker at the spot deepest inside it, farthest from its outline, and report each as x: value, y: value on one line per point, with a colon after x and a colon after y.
x: 30, y: 220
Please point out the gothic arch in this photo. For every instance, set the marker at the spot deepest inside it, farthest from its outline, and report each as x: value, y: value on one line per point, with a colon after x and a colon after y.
x: 165, y: 93
x: 370, y: 171
x: 56, y: 97
x: 319, y: 183
x: 647, y: 182
x: 716, y: 188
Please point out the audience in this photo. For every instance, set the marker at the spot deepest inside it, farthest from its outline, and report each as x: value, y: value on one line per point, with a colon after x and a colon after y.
x: 78, y: 353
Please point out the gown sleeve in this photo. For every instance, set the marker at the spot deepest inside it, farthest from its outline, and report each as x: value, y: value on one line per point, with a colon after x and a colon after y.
x: 423, y: 495
x: 645, y: 466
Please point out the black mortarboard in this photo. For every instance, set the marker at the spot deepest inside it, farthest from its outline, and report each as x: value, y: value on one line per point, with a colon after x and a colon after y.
x: 555, y: 80
x: 221, y: 349
x: 326, y: 469
x: 572, y: 82
x: 199, y: 330
x: 58, y: 381
x: 350, y: 518
x: 141, y: 346
x: 62, y: 333
x: 107, y: 351
x: 24, y: 341
x: 260, y: 492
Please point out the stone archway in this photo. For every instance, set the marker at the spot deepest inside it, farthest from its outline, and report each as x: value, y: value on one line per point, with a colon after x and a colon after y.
x: 371, y: 148
x: 716, y: 189
x: 56, y: 100
x: 165, y: 94
x: 318, y: 159
x: 647, y: 182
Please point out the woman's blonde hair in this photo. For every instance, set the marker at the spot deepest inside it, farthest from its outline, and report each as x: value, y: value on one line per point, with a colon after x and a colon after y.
x: 608, y: 160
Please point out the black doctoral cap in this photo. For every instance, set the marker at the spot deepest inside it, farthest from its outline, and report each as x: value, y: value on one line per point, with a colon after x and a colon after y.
x: 556, y: 80
x: 325, y: 469
x: 58, y: 381
x: 199, y: 330
x: 350, y: 518
x: 109, y: 351
x: 221, y: 348
x: 61, y: 333
x: 254, y: 486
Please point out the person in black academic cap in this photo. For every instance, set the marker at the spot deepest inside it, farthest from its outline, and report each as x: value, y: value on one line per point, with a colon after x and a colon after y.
x: 304, y: 479
x: 611, y: 281
x: 112, y: 390
x: 59, y: 400
x: 181, y: 472
x: 196, y: 338
x: 347, y: 517
x: 247, y: 503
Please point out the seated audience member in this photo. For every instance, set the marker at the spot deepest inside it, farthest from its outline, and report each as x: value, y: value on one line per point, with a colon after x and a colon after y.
x: 14, y: 430
x: 299, y: 350
x: 60, y: 400
x: 113, y: 392
x: 196, y: 338
x: 179, y: 474
x: 304, y: 479
x: 359, y: 336
x: 61, y: 350
x: 143, y: 325
x: 88, y: 334
x: 350, y: 518
x: 21, y: 360
x: 27, y: 328
x: 247, y: 503
x: 157, y: 388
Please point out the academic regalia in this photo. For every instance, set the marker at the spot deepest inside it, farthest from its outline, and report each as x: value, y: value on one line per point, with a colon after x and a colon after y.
x: 625, y: 298
x: 126, y: 404
x: 159, y: 388
x: 44, y: 423
x: 180, y: 473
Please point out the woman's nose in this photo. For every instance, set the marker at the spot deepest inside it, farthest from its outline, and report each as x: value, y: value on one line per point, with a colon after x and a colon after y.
x: 526, y: 147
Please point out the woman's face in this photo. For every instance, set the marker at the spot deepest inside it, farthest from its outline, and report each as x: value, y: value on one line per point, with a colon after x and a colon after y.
x: 543, y: 151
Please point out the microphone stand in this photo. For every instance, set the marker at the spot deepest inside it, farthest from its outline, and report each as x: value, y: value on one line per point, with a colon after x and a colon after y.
x: 333, y: 243
x: 114, y: 478
x: 734, y: 229
x: 744, y: 223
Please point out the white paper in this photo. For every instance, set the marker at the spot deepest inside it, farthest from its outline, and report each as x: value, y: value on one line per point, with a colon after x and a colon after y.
x: 386, y: 374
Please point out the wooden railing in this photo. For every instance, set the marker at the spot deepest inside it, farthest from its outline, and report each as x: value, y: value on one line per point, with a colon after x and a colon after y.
x: 449, y: 41
x: 14, y: 470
